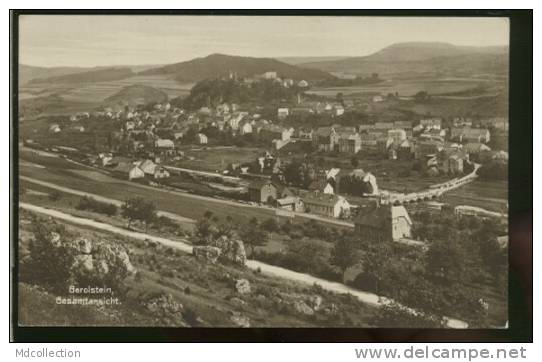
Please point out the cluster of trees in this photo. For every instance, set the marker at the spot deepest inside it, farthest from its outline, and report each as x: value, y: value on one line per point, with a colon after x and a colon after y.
x: 299, y: 173
x: 210, y: 227
x: 139, y: 209
x: 494, y: 170
x: 90, y: 204
x: 211, y: 92
x: 461, y: 253
x: 354, y: 185
x: 358, y: 80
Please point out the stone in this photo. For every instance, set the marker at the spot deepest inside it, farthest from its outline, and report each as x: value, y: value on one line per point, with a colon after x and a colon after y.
x: 315, y: 302
x: 83, y: 263
x: 206, y: 253
x: 83, y: 245
x: 242, y: 286
x: 240, y: 320
x: 303, y: 308
x: 164, y: 303
x: 115, y: 256
x: 232, y: 250
x: 331, y: 309
x: 55, y: 239
x: 239, y: 301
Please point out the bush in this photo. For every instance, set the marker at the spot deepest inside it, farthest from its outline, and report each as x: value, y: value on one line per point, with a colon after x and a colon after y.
x: 270, y: 225
x: 90, y: 204
x: 55, y: 196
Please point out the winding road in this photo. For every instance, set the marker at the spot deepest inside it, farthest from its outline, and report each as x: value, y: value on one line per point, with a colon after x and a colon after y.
x: 182, y: 245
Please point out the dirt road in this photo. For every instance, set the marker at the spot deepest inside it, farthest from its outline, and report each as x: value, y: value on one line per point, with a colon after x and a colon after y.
x: 365, y: 297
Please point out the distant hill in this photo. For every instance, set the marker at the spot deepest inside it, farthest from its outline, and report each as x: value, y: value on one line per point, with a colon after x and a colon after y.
x: 219, y: 65
x: 423, y: 58
x: 301, y: 60
x: 98, y: 75
x: 135, y: 95
x: 28, y: 73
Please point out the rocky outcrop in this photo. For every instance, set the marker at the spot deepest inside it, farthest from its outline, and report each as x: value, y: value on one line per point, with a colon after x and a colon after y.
x: 315, y: 302
x: 242, y: 286
x: 90, y: 261
x: 99, y: 261
x: 166, y: 310
x: 240, y: 320
x: 206, y: 253
x: 302, y: 308
x: 232, y: 250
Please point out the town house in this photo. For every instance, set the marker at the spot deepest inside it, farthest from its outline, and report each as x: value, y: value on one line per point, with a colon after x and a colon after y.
x: 383, y: 223
x: 328, y: 205
x: 262, y: 191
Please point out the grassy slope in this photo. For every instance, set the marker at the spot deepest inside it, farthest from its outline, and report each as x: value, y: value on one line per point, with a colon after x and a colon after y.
x: 211, y: 289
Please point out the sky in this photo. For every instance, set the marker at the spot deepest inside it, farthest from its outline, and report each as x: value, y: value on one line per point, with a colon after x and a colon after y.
x: 98, y: 40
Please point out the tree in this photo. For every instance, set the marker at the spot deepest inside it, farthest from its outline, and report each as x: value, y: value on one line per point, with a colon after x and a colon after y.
x: 139, y: 209
x: 227, y: 228
x: 308, y: 255
x: 445, y: 260
x: 354, y: 161
x: 340, y: 98
x: 375, y: 268
x: 205, y: 229
x: 344, y: 254
x: 421, y: 96
x: 271, y: 225
x: 253, y: 235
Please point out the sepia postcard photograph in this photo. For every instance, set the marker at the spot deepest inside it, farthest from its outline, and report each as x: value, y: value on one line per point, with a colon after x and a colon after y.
x: 258, y: 171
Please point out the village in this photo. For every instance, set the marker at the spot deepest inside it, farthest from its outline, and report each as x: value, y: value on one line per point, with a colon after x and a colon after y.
x: 264, y: 185
x: 146, y: 144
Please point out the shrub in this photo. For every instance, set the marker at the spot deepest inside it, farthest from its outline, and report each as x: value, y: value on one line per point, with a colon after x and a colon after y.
x: 55, y: 196
x: 270, y: 225
x: 191, y: 317
x: 90, y: 204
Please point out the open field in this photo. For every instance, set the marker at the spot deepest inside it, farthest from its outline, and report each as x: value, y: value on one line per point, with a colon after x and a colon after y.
x: 185, y: 205
x: 217, y: 158
x: 90, y: 92
x: 409, y: 87
x: 52, y: 99
x: 490, y: 195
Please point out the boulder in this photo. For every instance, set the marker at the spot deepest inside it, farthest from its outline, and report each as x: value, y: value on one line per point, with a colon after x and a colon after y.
x: 242, y: 286
x: 240, y: 320
x: 303, y: 308
x: 232, y: 250
x: 239, y: 301
x: 83, y: 263
x: 164, y: 304
x: 206, y: 253
x: 331, y: 309
x: 100, y: 261
x: 55, y: 239
x: 166, y: 310
x: 83, y: 245
x: 115, y: 257
x: 315, y: 302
